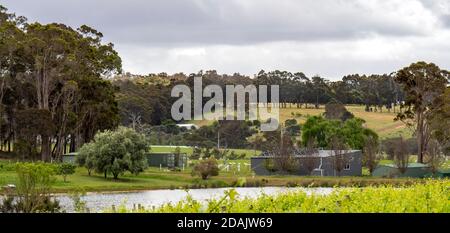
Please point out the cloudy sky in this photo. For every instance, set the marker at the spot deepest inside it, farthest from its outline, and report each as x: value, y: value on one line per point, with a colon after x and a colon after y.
x: 326, y: 37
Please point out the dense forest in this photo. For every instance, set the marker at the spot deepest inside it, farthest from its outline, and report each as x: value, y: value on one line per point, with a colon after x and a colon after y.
x: 60, y: 85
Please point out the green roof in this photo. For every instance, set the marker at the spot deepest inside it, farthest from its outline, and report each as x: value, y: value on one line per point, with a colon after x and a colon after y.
x: 410, y: 165
x: 446, y: 171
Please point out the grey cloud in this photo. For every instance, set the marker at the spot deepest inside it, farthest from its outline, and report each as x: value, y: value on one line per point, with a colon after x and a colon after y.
x: 441, y: 8
x: 326, y: 37
x: 188, y: 22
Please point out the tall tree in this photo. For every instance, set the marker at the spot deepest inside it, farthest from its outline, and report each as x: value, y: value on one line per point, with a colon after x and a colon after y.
x: 423, y: 83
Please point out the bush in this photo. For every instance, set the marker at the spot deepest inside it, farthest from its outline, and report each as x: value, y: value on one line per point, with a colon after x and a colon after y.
x: 65, y: 169
x: 206, y: 168
x: 33, y: 189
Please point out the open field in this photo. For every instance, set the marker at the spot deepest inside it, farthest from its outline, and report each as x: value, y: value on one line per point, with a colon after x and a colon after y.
x: 381, y: 122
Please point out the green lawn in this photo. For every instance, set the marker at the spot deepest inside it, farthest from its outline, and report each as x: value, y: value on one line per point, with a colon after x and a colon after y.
x: 167, y: 149
x: 188, y: 150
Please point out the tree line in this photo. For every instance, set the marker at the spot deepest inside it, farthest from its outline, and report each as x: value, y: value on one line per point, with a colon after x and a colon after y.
x: 52, y: 92
x: 376, y: 92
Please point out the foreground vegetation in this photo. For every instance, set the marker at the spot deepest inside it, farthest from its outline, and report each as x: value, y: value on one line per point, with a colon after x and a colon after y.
x: 430, y: 197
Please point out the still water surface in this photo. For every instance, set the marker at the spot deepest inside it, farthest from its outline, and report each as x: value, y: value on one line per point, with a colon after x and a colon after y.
x: 97, y: 202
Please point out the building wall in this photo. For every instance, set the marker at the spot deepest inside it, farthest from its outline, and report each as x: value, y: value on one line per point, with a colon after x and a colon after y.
x: 258, y: 165
x: 163, y: 159
x: 68, y: 159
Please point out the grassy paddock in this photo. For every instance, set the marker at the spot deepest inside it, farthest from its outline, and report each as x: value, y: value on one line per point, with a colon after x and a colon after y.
x: 381, y: 122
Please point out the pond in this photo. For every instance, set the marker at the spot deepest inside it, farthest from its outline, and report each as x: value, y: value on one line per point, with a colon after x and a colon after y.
x: 98, y: 202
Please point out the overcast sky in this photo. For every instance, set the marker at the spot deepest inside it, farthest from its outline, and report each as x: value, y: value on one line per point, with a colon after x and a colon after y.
x: 326, y: 37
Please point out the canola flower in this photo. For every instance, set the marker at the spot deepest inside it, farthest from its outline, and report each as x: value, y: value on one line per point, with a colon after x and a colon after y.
x: 432, y: 196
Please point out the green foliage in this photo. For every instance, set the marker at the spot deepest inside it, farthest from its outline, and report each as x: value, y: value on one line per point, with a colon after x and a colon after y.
x: 33, y: 189
x: 423, y: 84
x: 206, y: 168
x: 429, y: 197
x: 292, y: 128
x: 53, y: 86
x: 322, y: 131
x: 86, y: 157
x: 439, y: 121
x: 116, y: 152
x: 337, y: 111
x: 65, y: 169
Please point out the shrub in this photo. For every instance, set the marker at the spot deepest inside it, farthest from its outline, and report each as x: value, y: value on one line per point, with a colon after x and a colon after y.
x: 206, y: 168
x: 33, y: 189
x: 65, y: 169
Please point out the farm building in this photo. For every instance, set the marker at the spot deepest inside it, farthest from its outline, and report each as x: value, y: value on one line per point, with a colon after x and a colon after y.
x: 320, y: 163
x: 170, y: 160
x: 69, y: 157
x: 417, y: 170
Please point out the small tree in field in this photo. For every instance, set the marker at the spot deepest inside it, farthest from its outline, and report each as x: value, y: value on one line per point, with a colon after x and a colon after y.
x: 65, y: 169
x: 206, y: 168
x: 401, y: 155
x: 370, y: 153
x: 337, y: 111
x: 86, y: 157
x: 117, y: 151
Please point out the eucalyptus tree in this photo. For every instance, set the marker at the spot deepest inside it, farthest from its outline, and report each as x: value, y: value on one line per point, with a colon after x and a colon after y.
x: 423, y: 83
